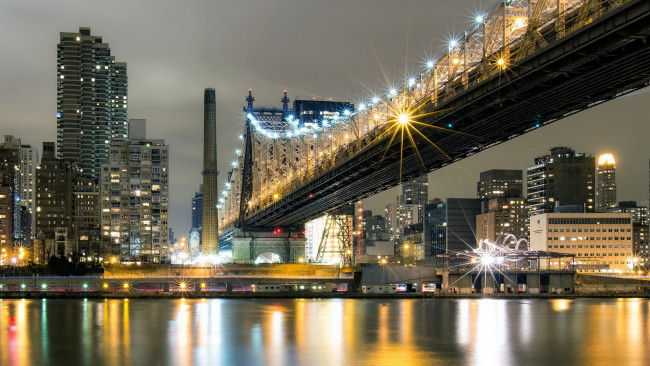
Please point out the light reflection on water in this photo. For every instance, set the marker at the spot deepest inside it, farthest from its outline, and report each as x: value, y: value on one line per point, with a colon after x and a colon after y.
x: 324, y: 332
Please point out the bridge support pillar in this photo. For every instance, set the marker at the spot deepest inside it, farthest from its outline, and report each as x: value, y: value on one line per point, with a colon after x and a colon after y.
x: 248, y: 245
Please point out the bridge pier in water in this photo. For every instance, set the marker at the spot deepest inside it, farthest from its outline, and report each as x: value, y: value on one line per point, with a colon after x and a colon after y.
x: 248, y: 244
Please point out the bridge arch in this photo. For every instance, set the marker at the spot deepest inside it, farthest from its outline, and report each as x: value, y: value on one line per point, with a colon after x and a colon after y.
x: 268, y: 257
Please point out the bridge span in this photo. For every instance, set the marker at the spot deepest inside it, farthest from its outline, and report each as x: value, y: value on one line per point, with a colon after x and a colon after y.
x: 524, y: 65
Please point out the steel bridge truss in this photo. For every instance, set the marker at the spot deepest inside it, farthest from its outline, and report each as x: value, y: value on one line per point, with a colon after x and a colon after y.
x: 525, y: 64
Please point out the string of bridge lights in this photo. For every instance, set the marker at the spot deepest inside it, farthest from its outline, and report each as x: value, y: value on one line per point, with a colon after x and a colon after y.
x: 298, y: 131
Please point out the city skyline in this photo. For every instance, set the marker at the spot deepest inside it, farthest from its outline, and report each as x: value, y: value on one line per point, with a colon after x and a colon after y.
x: 167, y: 75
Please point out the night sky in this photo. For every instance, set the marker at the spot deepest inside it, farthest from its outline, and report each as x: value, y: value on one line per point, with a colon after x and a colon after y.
x: 345, y: 50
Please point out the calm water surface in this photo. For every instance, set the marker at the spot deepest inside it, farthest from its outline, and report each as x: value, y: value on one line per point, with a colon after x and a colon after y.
x: 325, y: 332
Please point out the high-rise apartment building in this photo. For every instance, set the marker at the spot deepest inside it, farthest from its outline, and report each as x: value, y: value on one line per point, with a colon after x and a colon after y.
x: 416, y: 192
x: 25, y: 159
x: 28, y: 162
x: 562, y: 177
x: 92, y: 100
x: 400, y: 215
x: 605, y: 183
x: 134, y: 201
x: 10, y: 183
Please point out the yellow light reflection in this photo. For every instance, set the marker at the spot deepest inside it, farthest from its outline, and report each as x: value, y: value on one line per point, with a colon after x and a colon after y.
x: 561, y: 304
x: 126, y: 331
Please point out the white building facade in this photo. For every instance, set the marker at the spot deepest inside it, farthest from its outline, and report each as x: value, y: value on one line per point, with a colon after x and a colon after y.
x: 601, y: 242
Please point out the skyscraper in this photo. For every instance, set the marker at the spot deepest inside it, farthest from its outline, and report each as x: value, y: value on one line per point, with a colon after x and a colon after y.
x: 562, y: 177
x: 210, y: 236
x: 605, y: 183
x: 92, y: 104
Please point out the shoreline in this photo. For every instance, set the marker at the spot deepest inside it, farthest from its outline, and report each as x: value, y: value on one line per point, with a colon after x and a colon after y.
x: 341, y: 295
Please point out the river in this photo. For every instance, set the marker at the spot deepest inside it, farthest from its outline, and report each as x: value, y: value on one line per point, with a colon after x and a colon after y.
x: 401, y: 332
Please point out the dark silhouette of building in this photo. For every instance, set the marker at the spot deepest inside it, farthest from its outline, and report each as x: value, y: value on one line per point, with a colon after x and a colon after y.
x: 53, y: 203
x: 498, y: 183
x: 562, y: 177
x: 450, y: 227
x: 375, y: 227
x: 318, y: 112
x: 640, y: 234
x: 197, y: 211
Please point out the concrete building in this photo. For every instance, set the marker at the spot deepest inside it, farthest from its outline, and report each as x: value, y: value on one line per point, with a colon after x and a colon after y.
x: 450, y: 227
x: 601, y: 242
x: 503, y: 216
x: 562, y: 177
x: 92, y: 100
x: 605, y: 183
x: 210, y: 230
x: 134, y: 204
x: 503, y: 209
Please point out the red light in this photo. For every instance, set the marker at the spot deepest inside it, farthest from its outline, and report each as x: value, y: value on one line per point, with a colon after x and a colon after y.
x: 311, y: 195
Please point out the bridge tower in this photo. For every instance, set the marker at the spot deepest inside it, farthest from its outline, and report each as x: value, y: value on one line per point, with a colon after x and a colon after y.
x: 336, y: 226
x: 247, y: 169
